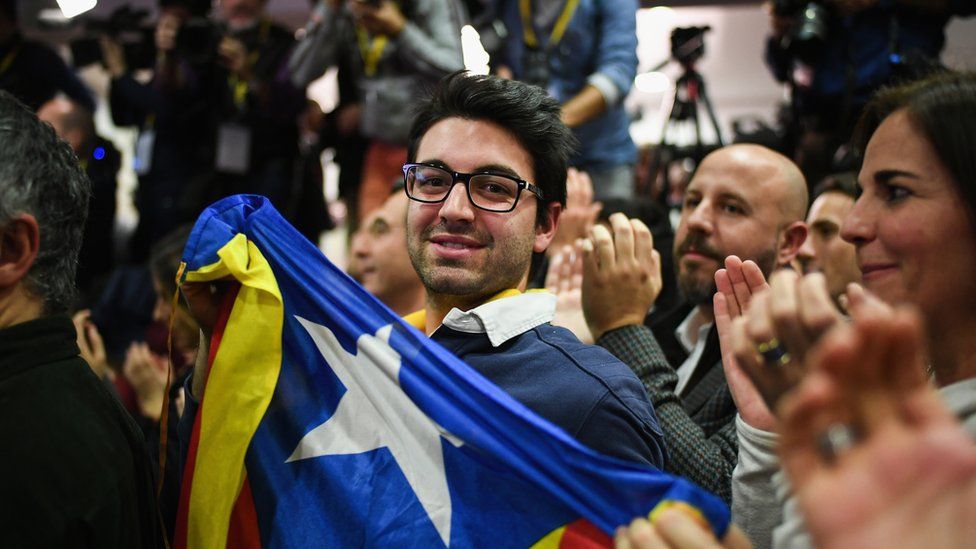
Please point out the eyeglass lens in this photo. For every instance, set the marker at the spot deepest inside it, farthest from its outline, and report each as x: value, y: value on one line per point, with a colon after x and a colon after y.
x: 488, y: 191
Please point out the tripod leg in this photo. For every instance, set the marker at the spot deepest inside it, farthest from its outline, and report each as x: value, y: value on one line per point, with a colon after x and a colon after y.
x: 699, y: 146
x: 703, y: 96
x: 666, y: 152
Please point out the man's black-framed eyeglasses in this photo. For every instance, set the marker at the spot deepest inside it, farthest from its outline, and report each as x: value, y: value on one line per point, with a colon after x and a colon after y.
x: 493, y: 192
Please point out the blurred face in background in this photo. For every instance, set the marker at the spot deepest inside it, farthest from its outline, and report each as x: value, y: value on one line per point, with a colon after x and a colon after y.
x: 824, y: 250
x: 186, y: 332
x: 379, y: 252
x: 60, y: 113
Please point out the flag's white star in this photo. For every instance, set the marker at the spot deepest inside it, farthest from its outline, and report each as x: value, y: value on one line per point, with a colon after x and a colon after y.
x: 374, y: 412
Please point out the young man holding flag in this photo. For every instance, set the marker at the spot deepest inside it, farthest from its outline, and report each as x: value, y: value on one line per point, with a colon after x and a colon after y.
x: 328, y: 421
x: 487, y: 182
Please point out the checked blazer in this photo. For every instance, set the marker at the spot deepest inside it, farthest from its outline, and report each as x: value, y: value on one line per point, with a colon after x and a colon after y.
x: 699, y: 426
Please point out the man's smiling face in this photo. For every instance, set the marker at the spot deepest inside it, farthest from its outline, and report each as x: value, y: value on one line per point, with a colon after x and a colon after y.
x: 456, y: 248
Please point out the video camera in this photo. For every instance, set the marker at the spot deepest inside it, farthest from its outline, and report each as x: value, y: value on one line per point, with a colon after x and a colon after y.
x: 125, y: 25
x: 809, y: 35
x: 196, y: 41
x: 688, y: 44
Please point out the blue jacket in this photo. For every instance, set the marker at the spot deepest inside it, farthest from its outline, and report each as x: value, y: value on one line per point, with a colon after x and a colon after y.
x: 599, y: 47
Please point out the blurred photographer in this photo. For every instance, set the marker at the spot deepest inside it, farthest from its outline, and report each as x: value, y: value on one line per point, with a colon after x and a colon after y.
x: 584, y: 53
x: 257, y: 109
x: 835, y: 54
x: 173, y: 155
x: 387, y: 51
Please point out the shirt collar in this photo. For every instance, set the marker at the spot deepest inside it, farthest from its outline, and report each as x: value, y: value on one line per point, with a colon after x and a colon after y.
x: 504, y: 316
x: 685, y: 332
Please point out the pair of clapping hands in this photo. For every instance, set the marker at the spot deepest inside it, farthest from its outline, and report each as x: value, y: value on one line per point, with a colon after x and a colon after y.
x: 606, y: 281
x: 875, y: 457
x: 770, y: 331
x: 588, y: 305
x: 767, y: 330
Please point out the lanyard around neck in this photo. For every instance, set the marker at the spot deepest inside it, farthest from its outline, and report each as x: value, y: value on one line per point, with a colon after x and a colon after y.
x: 239, y: 87
x: 528, y: 29
x: 371, y: 50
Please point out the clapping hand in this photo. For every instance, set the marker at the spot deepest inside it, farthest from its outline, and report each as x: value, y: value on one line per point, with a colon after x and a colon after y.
x: 675, y: 529
x: 90, y: 344
x: 621, y: 275
x: 580, y: 213
x: 737, y: 284
x: 875, y: 458
x: 565, y: 279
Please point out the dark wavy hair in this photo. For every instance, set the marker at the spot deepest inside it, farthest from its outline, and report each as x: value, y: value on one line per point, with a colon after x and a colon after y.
x: 943, y: 107
x: 40, y: 176
x: 526, y: 111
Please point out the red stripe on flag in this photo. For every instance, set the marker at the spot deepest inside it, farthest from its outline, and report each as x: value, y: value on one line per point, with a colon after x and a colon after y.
x: 581, y: 534
x: 180, y: 541
x: 243, y: 531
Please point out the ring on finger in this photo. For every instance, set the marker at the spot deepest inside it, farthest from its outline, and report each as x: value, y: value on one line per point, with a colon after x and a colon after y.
x: 836, y: 440
x: 773, y: 352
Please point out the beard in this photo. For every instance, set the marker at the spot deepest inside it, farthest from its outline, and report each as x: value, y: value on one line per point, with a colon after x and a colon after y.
x: 698, y: 288
x: 695, y: 290
x: 504, y: 267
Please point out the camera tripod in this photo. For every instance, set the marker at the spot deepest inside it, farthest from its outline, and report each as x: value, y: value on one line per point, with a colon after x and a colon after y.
x: 690, y: 92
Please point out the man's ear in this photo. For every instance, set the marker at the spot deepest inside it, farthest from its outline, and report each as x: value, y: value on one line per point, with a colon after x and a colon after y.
x: 791, y: 240
x: 546, y: 230
x: 20, y: 238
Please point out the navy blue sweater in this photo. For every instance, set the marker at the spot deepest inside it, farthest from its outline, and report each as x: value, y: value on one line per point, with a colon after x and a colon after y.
x: 581, y: 388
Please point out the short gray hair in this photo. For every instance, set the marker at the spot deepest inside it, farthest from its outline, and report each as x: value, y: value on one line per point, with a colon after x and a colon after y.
x: 40, y: 176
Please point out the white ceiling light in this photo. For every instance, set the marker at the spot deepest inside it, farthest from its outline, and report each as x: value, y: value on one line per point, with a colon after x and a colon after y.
x: 71, y: 8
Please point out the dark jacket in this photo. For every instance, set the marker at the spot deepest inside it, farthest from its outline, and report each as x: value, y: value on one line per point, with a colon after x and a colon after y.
x: 699, y: 426
x: 73, y: 464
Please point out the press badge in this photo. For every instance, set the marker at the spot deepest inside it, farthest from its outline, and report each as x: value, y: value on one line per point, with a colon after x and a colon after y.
x: 233, y: 148
x: 142, y: 162
x: 535, y: 67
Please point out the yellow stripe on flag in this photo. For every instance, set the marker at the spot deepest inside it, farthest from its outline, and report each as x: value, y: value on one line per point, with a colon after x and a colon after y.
x: 239, y: 388
x: 552, y: 539
x: 686, y: 508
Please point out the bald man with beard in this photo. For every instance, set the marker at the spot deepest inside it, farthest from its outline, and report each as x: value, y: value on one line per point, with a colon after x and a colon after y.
x: 744, y: 200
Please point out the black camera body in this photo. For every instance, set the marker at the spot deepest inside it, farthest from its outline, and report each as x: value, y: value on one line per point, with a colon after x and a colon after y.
x: 126, y: 26
x: 812, y: 29
x: 688, y: 44
x: 196, y: 41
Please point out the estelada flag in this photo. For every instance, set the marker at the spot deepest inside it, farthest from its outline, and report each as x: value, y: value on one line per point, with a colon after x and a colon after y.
x: 329, y: 422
